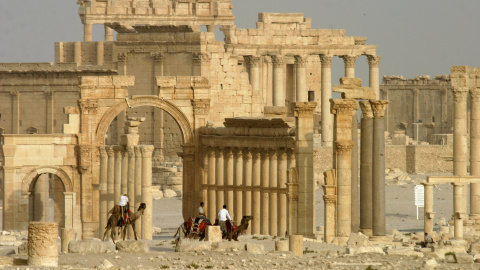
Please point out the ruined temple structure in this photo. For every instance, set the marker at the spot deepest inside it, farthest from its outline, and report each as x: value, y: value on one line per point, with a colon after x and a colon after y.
x: 66, y: 124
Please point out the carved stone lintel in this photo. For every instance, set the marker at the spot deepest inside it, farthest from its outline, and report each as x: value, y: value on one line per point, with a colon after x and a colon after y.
x: 349, y: 60
x: 301, y: 61
x: 201, y: 106
x: 343, y: 147
x: 253, y: 61
x: 326, y: 60
x: 277, y: 61
x: 379, y: 107
x: 374, y: 60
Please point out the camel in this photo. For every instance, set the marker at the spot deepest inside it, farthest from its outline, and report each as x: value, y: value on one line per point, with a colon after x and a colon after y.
x: 233, y: 232
x: 114, y: 221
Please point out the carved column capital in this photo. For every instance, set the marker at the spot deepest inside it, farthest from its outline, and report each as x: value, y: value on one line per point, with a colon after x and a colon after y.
x: 247, y: 153
x: 379, y: 107
x: 343, y: 106
x: 103, y: 151
x: 130, y: 150
x: 158, y: 57
x: 326, y: 60
x: 267, y: 59
x: 374, y: 60
x: 201, y: 106
x: 475, y: 94
x: 282, y: 154
x: 253, y: 61
x: 349, y: 60
x: 88, y: 106
x: 330, y: 199
x: 219, y: 152
x: 228, y: 152
x: 343, y: 147
x: 15, y: 94
x: 147, y: 150
x: 366, y: 107
x: 301, y: 61
x: 277, y: 61
x: 122, y: 56
x: 48, y: 93
x: 84, y: 153
x: 304, y: 109
x: 237, y: 152
x: 138, y: 151
x: 256, y: 153
x: 201, y: 57
x: 460, y: 94
x: 110, y: 151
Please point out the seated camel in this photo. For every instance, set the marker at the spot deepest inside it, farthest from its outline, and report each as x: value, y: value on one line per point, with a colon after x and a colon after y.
x: 115, y: 221
x: 232, y: 231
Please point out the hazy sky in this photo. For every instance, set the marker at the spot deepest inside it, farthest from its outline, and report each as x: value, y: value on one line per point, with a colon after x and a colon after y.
x: 414, y: 37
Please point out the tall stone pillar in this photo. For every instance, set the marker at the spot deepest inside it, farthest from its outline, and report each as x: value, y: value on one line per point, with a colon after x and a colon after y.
x: 100, y: 53
x: 77, y: 52
x: 256, y: 177
x: 265, y: 169
x: 460, y: 137
x: 366, y: 149
x: 42, y: 198
x: 378, y: 167
x: 110, y: 177
x: 459, y: 214
x: 301, y: 78
x: 124, y: 184
x: 327, y: 119
x: 103, y: 187
x: 108, y: 33
x: 428, y: 215
x: 118, y: 174
x: 349, y: 61
x: 342, y: 109
x: 355, y: 191
x: 87, y: 32
x: 15, y: 111
x: 131, y: 177
x: 247, y: 183
x: 219, y: 178
x: 138, y: 185
x: 238, y: 181
x: 278, y: 80
x: 229, y: 178
x: 292, y: 193
x: 304, y: 166
x: 50, y: 112
x: 212, y: 201
x: 282, y: 196
x: 147, y: 220
x: 272, y: 215
x: 374, y: 74
x: 254, y: 64
x: 475, y: 152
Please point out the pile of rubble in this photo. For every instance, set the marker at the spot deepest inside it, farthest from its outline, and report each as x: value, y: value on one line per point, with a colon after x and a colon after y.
x: 396, y: 176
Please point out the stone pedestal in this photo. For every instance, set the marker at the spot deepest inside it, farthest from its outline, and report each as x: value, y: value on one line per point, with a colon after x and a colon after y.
x: 42, y: 244
x: 213, y: 234
x: 281, y: 245
x: 67, y: 235
x: 295, y: 245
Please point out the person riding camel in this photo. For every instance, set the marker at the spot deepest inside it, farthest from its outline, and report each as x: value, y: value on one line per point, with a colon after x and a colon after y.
x: 124, y: 206
x: 222, y: 218
x: 202, y: 214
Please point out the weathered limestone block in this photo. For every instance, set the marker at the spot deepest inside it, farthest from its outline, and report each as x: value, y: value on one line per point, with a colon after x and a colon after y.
x: 281, y: 245
x: 187, y: 245
x: 430, y: 264
x: 361, y: 250
x: 67, y: 235
x: 296, y: 244
x: 6, y: 260
x: 475, y: 247
x: 133, y: 246
x: 256, y: 248
x: 228, y: 246
x: 463, y: 257
x: 123, y: 81
x: 213, y: 234
x: 440, y: 251
x: 5, y: 251
x: 357, y: 240
x: 91, y: 246
x: 405, y: 252
x: 42, y: 244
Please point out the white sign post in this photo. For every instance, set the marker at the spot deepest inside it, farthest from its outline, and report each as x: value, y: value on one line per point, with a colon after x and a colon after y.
x: 419, y: 197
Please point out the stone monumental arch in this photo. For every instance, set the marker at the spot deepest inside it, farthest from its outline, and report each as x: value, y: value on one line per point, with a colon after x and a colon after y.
x: 99, y: 117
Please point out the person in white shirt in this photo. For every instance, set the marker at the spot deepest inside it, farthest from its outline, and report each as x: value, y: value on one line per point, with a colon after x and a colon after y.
x: 222, y: 217
x: 124, y: 206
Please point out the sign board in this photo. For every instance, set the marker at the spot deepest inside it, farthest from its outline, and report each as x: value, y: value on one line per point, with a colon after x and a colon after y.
x: 419, y: 197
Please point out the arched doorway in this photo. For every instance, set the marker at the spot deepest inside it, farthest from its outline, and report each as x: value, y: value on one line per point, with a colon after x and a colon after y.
x: 47, y: 200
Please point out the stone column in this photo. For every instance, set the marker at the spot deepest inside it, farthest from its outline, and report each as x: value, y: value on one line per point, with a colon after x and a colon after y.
x: 428, y: 210
x: 103, y: 187
x: 108, y: 33
x: 254, y: 64
x: 265, y: 169
x: 212, y: 205
x: 69, y: 202
x: 475, y: 152
x: 366, y: 149
x: 292, y: 193
x: 100, y: 53
x: 460, y: 136
x: 327, y: 119
x: 42, y: 187
x: 247, y: 183
x: 304, y: 166
x: 110, y: 177
x: 256, y: 201
x: 77, y: 52
x: 118, y: 174
x: 278, y: 87
x: 229, y: 177
x: 272, y: 215
x: 330, y: 200
x: 87, y: 32
x: 378, y: 167
x: 374, y: 77
x: 15, y: 111
x: 459, y: 215
x: 124, y: 184
x: 282, y: 196
x: 238, y: 170
x: 296, y: 245
x: 131, y: 177
x: 50, y: 112
x: 42, y: 244
x: 67, y: 235
x: 349, y: 61
x: 301, y: 78
x: 138, y: 185
x: 219, y: 178
x: 147, y: 151
x: 355, y: 192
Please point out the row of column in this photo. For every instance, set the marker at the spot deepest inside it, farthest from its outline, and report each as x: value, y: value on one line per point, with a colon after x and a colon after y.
x: 251, y: 182
x: 127, y: 170
x: 87, y: 32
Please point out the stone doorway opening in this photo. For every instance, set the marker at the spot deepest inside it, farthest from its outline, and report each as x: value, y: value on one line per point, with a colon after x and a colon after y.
x: 47, y: 199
